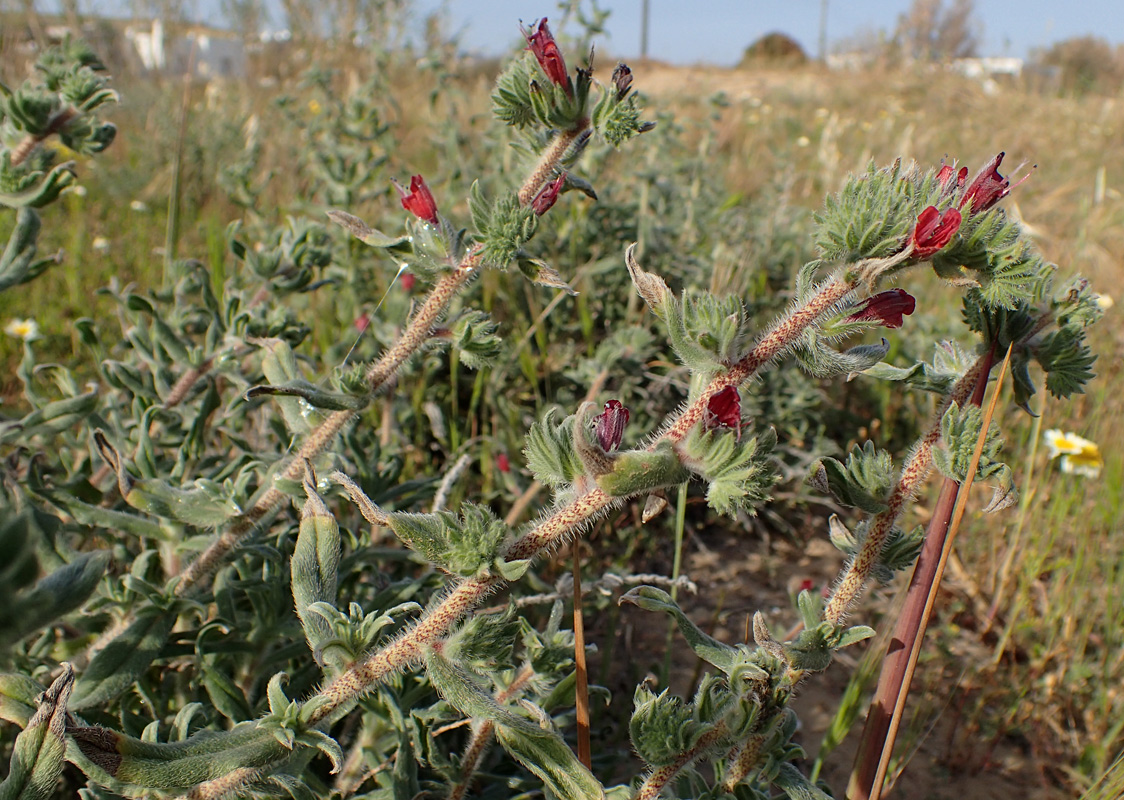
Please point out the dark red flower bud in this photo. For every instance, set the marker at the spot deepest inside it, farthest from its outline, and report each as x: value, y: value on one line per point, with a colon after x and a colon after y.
x: 622, y: 80
x: 806, y: 585
x: 724, y: 410
x: 503, y: 463
x: 609, y: 425
x: 886, y: 308
x: 362, y: 322
x: 934, y: 230
x: 541, y: 43
x: 408, y: 281
x: 419, y: 200
x: 548, y: 195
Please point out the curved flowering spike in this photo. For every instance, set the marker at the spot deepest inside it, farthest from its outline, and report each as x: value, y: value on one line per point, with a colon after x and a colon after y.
x: 724, y: 410
x: 548, y: 195
x: 419, y: 200
x: 934, y: 230
x: 609, y: 425
x: 886, y: 308
x: 541, y: 43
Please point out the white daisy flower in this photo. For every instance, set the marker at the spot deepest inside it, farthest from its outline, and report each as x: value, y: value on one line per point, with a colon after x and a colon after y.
x: 26, y: 329
x: 1079, y: 456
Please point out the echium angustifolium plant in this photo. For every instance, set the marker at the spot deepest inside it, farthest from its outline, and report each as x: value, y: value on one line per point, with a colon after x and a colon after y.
x: 239, y: 645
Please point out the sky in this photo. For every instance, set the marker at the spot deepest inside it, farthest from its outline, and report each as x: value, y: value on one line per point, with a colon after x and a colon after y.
x: 717, y: 31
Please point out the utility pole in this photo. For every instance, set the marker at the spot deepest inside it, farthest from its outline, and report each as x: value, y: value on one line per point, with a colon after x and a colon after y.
x: 644, y: 28
x: 823, y: 30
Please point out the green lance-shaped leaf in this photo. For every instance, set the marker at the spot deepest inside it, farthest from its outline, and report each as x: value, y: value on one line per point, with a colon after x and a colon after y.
x: 640, y: 471
x: 127, y: 765
x: 59, y: 593
x: 117, y: 666
x: 797, y: 787
x: 33, y: 189
x: 39, y: 752
x: 864, y: 482
x: 313, y: 395
x: 706, y: 647
x: 364, y: 233
x: 467, y: 544
x: 18, y: 695
x: 52, y: 418
x: 960, y: 431
x: 738, y: 471
x: 473, y: 334
x: 18, y: 258
x: 540, y: 749
x: 550, y: 451
x: 280, y: 368
x: 315, y: 568
x: 207, y: 505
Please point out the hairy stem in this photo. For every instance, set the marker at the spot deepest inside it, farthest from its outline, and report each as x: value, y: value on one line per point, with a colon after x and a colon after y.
x: 857, y: 573
x: 660, y: 778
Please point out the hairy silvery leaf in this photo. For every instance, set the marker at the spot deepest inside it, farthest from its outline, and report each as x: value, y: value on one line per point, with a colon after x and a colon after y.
x: 550, y: 451
x: 360, y: 230
x: 126, y: 764
x: 708, y: 333
x: 124, y: 659
x: 280, y: 368
x: 473, y: 334
x: 538, y: 271
x: 315, y: 568
x: 960, y: 431
x: 950, y: 362
x: 207, y: 504
x: 464, y: 545
x: 39, y: 752
x: 56, y: 416
x: 540, y: 749
x: 865, y: 482
x: 873, y: 215
x: 484, y: 643
x: 634, y: 472
x: 739, y: 471
x: 797, y: 787
x: 313, y: 396
x: 706, y: 647
x: 62, y: 591
x: 18, y: 695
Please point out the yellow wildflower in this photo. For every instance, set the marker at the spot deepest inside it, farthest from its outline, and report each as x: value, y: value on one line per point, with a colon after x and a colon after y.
x: 1078, y: 456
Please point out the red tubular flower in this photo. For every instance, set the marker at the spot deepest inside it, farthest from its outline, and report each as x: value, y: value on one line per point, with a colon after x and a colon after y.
x: 724, y: 410
x: 541, y: 43
x: 548, y: 195
x: 408, y: 280
x: 419, y: 200
x: 934, y: 230
x: 886, y: 308
x: 988, y: 187
x: 609, y: 425
x: 945, y: 175
x: 503, y: 463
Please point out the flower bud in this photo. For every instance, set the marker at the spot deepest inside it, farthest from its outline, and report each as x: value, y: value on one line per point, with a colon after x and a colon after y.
x: 541, y: 43
x: 419, y: 200
x: 885, y: 308
x: 548, y: 195
x: 724, y: 410
x: 609, y: 425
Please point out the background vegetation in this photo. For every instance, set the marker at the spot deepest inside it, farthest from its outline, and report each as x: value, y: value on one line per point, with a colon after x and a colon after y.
x: 720, y: 195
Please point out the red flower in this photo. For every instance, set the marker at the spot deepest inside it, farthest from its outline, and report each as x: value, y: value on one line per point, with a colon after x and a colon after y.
x: 503, y: 463
x: 945, y: 175
x: 419, y: 200
x: 934, y: 230
x: 548, y: 195
x: 609, y: 425
x: 541, y: 43
x: 988, y: 187
x: 362, y: 322
x: 886, y: 308
x: 408, y: 280
x: 724, y: 410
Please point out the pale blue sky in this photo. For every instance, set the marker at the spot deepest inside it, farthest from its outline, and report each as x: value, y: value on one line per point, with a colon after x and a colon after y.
x: 719, y: 30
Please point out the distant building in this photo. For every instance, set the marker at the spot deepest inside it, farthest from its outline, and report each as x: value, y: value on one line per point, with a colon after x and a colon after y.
x: 208, y: 53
